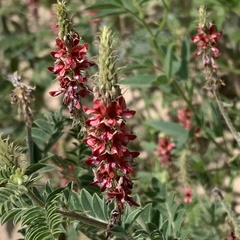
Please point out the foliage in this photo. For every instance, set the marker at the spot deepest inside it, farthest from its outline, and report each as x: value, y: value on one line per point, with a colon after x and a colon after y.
x: 52, y: 197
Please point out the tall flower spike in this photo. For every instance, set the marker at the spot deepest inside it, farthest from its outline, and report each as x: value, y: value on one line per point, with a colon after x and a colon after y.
x: 108, y: 134
x: 71, y: 64
x: 207, y: 40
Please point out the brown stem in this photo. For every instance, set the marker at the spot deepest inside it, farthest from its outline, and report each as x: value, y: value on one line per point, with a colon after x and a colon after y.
x: 84, y: 219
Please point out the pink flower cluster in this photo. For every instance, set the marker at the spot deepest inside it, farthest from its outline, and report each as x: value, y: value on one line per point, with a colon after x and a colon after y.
x: 207, y: 41
x: 185, y: 117
x: 164, y: 150
x: 108, y: 137
x: 71, y: 61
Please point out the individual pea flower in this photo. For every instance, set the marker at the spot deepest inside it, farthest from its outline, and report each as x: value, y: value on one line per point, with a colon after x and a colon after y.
x: 188, y: 195
x: 71, y: 63
x: 108, y: 133
x: 164, y: 151
x: 232, y: 237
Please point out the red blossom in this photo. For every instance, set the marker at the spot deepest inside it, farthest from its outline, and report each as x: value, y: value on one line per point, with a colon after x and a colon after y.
x: 188, y: 195
x: 108, y: 136
x: 207, y: 41
x: 164, y: 150
x: 71, y: 61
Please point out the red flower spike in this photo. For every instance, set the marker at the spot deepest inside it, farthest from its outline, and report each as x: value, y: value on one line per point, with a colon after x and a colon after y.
x: 70, y: 61
x: 108, y: 137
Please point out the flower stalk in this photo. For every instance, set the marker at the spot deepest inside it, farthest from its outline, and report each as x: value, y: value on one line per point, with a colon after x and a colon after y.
x: 22, y: 96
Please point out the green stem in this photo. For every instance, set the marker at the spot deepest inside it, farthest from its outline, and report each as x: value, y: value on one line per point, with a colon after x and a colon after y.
x: 83, y: 219
x: 30, y: 144
x: 34, y: 198
x: 176, y: 85
x: 164, y: 17
x: 226, y: 118
x: 229, y: 212
x: 218, y: 145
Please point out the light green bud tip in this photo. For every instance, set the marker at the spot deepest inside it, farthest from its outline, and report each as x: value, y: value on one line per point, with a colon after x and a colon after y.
x: 202, y: 16
x: 64, y: 23
x: 107, y: 69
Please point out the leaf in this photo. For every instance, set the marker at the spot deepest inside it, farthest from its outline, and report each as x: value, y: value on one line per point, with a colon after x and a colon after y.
x: 54, y: 194
x: 162, y: 79
x: 75, y: 202
x: 168, y: 61
x: 34, y: 168
x: 132, y: 217
x: 179, y: 220
x: 119, y: 231
x: 31, y: 214
x: 38, y: 194
x: 172, y: 129
x: 40, y: 137
x: 99, y: 207
x: 148, y: 146
x: 146, y: 213
x: 140, y: 81
x: 185, y: 55
x: 42, y: 124
x: 17, y: 218
x: 109, y: 12
x: 156, y: 219
x: 87, y: 202
x: 129, y: 6
x: 102, y: 5
x: 5, y: 217
x: 134, y: 66
x: 184, y: 234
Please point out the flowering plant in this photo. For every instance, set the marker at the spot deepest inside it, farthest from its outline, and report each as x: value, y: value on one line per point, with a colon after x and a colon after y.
x: 137, y: 146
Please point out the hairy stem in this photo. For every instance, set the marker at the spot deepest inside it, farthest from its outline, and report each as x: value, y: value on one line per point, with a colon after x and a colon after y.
x: 226, y: 118
x: 30, y: 144
x: 229, y: 212
x: 84, y: 219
